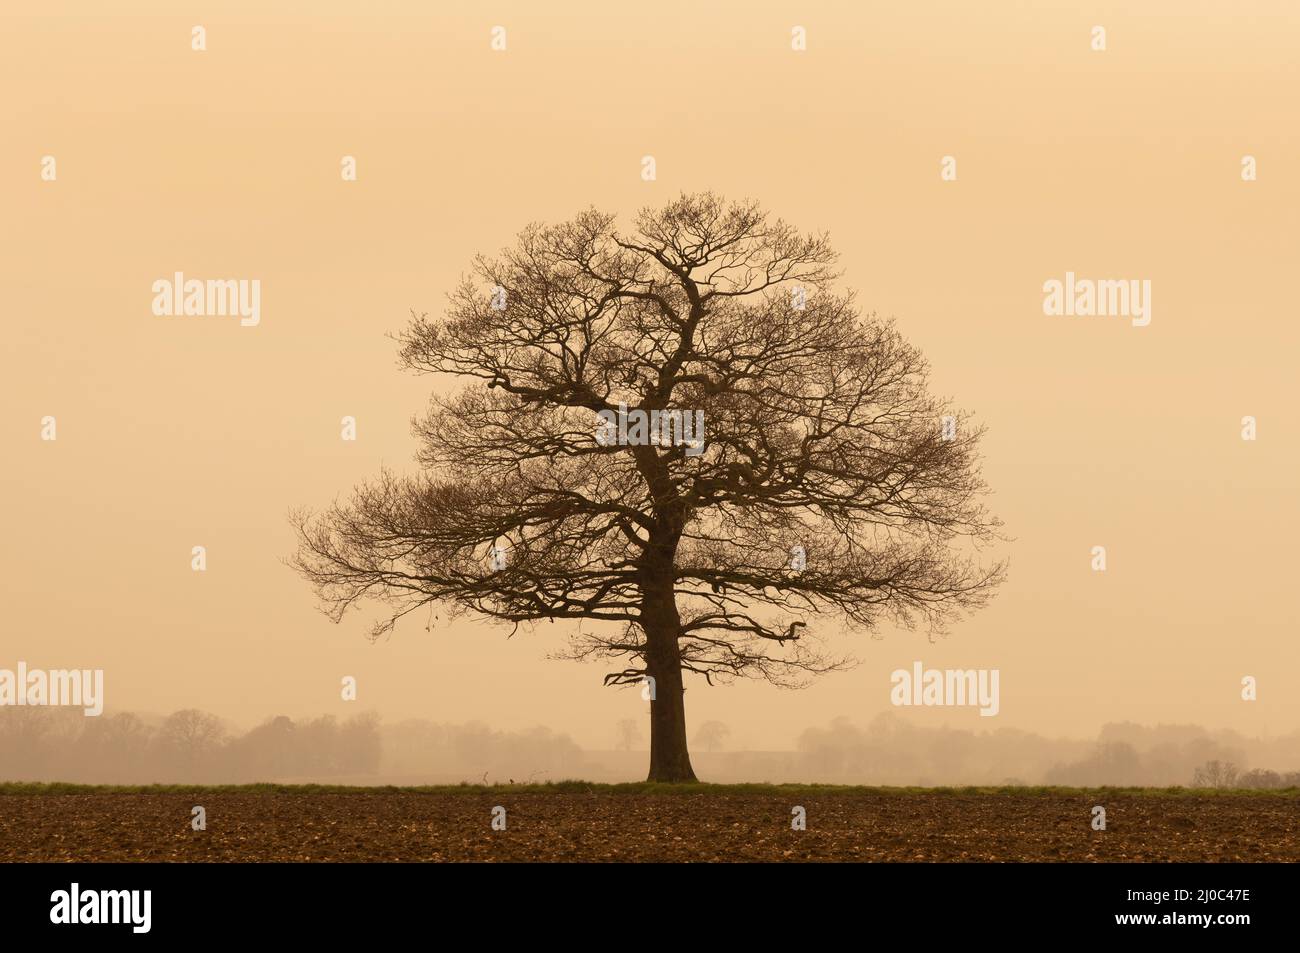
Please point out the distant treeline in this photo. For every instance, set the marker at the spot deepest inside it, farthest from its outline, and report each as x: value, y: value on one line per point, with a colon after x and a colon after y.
x: 52, y: 744
x: 892, y: 750
x: 59, y: 744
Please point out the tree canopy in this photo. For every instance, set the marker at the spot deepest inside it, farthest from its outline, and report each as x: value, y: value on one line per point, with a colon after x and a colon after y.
x: 829, y: 494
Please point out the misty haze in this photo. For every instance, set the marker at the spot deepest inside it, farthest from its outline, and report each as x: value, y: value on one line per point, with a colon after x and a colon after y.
x: 42, y: 744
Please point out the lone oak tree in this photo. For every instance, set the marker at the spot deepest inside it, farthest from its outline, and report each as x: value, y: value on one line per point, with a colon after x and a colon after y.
x: 820, y: 441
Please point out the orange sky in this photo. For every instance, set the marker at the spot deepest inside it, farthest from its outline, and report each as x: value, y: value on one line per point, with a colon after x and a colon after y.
x: 224, y: 163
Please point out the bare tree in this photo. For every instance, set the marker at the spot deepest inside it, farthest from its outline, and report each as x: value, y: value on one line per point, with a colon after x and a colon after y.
x: 1260, y: 778
x: 712, y: 735
x: 629, y: 735
x: 189, y: 738
x: 1215, y: 774
x: 826, y: 490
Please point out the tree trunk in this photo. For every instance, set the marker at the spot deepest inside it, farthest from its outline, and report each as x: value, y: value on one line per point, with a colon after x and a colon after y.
x: 670, y: 760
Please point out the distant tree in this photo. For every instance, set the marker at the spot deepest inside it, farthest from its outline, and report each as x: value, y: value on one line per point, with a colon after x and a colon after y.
x: 1260, y: 778
x: 267, y: 751
x: 712, y: 735
x: 1118, y: 762
x: 190, y: 739
x: 317, y: 747
x: 1215, y: 774
x: 826, y: 487
x: 360, y: 747
x: 114, y: 748
x: 25, y: 748
x: 128, y: 735
x: 629, y: 735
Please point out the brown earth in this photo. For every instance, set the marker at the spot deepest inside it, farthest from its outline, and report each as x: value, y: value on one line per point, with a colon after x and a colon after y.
x: 605, y: 826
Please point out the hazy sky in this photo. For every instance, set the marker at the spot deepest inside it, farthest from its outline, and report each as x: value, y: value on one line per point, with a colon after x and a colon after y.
x: 225, y: 163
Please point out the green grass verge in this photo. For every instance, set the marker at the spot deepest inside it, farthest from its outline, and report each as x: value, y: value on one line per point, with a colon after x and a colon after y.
x: 588, y: 787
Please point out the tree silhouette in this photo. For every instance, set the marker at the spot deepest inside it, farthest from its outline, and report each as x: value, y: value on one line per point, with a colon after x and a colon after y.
x: 189, y: 738
x: 823, y: 492
x: 1215, y: 774
x: 712, y: 735
x: 628, y: 734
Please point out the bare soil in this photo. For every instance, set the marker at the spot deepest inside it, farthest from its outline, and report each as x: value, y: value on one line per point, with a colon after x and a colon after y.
x: 284, y: 825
